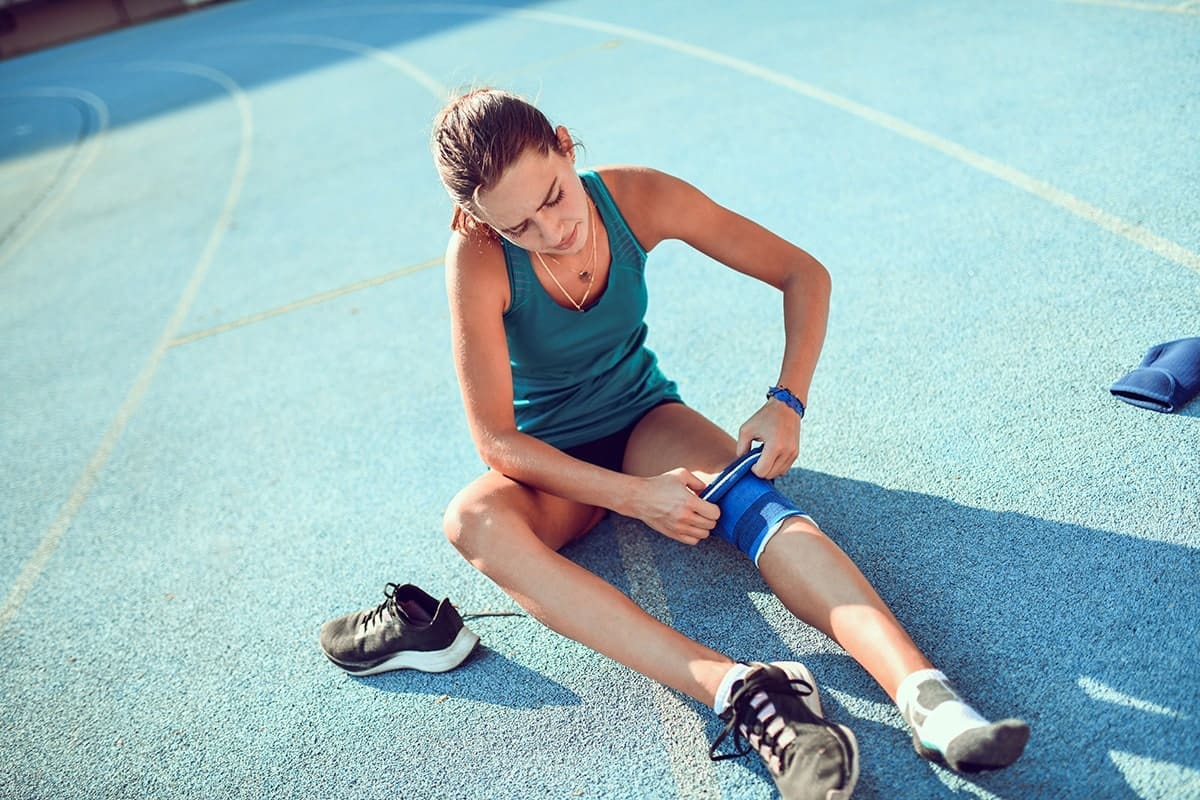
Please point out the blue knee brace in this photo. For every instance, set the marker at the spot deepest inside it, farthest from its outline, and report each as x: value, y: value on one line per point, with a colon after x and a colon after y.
x: 751, y: 509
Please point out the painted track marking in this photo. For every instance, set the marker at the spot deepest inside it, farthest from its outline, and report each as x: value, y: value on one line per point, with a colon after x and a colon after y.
x: 316, y: 299
x: 169, y: 338
x: 1158, y: 8
x: 440, y: 92
x: 1140, y: 236
x: 417, y: 74
x: 84, y: 153
x: 87, y: 480
x: 691, y: 767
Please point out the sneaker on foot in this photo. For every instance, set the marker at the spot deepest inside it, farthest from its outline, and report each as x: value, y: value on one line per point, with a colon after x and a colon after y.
x: 408, y: 630
x: 776, y: 710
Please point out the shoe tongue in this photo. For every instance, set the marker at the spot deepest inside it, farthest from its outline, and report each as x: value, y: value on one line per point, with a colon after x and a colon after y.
x: 758, y: 674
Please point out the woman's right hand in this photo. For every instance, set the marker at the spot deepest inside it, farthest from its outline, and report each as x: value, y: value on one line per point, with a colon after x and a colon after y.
x: 669, y: 503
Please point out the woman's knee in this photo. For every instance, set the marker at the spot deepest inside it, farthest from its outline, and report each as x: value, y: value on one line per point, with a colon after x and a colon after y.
x: 472, y: 520
x: 799, y: 539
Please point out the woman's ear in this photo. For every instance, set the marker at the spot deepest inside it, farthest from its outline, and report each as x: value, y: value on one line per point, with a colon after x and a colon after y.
x: 467, y: 223
x: 565, y: 143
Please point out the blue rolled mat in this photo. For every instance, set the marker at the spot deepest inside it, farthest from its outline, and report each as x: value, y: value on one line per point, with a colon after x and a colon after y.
x: 1167, y: 379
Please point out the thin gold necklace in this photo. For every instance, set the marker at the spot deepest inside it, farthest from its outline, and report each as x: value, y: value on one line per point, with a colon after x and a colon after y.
x: 590, y: 271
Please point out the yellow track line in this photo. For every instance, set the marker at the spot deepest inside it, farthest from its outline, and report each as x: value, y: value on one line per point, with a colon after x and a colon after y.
x: 305, y: 303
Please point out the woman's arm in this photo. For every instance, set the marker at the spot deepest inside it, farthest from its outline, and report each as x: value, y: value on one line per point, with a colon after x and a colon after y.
x: 659, y: 206
x: 477, y: 287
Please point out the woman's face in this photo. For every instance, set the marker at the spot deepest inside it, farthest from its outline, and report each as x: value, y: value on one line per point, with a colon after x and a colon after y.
x: 539, y: 203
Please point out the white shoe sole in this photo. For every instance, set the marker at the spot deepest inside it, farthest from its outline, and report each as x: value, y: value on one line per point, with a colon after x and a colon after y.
x: 425, y: 661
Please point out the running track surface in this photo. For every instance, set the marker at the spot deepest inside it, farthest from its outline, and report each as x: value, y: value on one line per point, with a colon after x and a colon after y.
x: 228, y: 411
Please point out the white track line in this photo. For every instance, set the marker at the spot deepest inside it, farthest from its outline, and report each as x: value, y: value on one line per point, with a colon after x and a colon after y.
x: 419, y: 75
x: 82, y: 157
x: 169, y: 338
x: 87, y: 481
x: 683, y: 730
x: 439, y: 91
x: 1158, y: 8
x: 1140, y: 236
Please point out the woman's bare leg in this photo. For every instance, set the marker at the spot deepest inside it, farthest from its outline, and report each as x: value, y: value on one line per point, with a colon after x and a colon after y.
x: 810, y: 574
x: 819, y: 583
x: 511, y: 533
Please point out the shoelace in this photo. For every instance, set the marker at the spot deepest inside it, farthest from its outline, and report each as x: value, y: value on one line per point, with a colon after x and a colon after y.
x: 376, y: 613
x: 760, y: 728
x: 489, y: 613
x: 389, y: 603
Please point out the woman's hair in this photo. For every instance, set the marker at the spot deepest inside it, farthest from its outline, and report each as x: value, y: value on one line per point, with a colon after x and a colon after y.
x: 476, y: 137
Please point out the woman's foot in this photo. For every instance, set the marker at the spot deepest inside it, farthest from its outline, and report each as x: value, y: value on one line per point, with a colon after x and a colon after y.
x: 775, y: 710
x: 949, y: 732
x: 992, y: 746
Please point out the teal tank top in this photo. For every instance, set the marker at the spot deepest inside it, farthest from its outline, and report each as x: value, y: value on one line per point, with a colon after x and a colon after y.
x: 578, y: 376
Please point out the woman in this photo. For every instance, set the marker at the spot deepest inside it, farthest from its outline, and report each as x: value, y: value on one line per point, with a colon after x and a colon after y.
x: 569, y: 410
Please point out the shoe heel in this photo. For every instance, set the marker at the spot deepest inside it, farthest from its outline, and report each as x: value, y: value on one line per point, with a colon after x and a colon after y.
x: 452, y: 656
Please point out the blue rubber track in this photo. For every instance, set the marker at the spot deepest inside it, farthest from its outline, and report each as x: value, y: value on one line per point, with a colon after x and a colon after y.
x: 228, y: 410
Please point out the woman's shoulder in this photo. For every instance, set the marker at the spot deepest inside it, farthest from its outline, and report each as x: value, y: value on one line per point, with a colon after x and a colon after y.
x: 648, y: 199
x: 475, y: 267
x: 630, y: 180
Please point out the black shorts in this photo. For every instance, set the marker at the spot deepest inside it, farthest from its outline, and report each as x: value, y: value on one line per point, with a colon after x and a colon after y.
x: 609, y: 451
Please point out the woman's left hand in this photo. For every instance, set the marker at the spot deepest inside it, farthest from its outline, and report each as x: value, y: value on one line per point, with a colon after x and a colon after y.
x: 778, y: 427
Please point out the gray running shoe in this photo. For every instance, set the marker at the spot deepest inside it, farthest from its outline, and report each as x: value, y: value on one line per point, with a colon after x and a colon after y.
x: 776, y: 711
x: 408, y: 630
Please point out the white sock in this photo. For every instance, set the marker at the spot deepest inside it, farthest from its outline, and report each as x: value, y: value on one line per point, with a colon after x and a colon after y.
x: 735, y: 674
x: 934, y: 709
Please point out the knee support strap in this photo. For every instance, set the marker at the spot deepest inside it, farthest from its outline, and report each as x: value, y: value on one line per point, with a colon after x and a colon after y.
x: 751, y: 509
